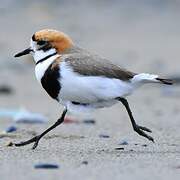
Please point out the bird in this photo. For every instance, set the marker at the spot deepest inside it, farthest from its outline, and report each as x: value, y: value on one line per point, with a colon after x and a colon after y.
x: 82, y: 81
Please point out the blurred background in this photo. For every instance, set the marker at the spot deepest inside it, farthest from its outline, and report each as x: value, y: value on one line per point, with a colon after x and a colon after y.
x: 140, y: 35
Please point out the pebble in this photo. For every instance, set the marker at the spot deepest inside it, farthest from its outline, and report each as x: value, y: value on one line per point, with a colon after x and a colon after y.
x: 119, y: 148
x: 9, y: 144
x: 89, y: 121
x: 85, y: 162
x: 5, y: 89
x: 104, y: 136
x: 46, y: 166
x: 144, y: 145
x: 123, y: 142
x: 11, y: 129
x: 68, y: 120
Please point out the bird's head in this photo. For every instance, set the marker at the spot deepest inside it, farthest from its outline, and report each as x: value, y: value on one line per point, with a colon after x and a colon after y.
x: 46, y: 42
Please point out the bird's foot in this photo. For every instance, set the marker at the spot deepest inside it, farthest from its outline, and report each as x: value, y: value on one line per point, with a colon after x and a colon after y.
x: 140, y: 130
x: 34, y: 140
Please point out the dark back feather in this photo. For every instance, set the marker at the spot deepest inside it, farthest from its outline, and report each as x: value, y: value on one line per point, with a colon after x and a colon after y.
x: 92, y: 65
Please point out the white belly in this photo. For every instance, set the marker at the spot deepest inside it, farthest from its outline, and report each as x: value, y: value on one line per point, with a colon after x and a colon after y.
x: 96, y: 91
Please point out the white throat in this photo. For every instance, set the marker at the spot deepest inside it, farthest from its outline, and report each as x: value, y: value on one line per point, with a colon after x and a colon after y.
x: 47, y: 58
x: 40, y: 54
x: 41, y: 68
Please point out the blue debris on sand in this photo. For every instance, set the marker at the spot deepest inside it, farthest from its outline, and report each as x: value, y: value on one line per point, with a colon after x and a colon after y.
x: 23, y: 116
x: 123, y: 142
x: 11, y: 129
x: 89, y: 121
x: 104, y: 136
x: 46, y: 166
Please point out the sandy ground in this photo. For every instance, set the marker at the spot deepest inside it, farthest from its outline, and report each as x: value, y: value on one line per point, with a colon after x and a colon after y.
x: 141, y: 37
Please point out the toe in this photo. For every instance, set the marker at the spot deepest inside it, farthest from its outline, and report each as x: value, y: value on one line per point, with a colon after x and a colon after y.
x: 145, y: 129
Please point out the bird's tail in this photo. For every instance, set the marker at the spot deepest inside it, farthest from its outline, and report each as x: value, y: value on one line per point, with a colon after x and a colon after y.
x: 165, y: 81
x: 150, y: 78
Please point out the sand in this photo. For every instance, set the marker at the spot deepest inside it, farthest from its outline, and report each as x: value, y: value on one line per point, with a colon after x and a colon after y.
x: 141, y: 37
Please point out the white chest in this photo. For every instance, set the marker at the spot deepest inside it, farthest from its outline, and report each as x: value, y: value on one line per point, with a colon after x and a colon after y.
x: 41, y: 68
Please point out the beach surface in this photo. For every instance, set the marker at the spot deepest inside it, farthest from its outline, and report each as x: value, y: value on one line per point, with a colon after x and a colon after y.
x: 142, y: 37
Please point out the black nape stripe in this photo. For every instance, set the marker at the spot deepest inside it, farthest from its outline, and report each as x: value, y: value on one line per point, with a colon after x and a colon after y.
x: 50, y: 81
x: 43, y: 59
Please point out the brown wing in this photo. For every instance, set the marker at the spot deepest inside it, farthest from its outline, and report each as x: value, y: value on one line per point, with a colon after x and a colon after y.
x: 91, y: 65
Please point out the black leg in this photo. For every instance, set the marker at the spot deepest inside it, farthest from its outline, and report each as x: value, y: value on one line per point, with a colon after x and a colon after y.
x: 139, y: 129
x: 37, y: 138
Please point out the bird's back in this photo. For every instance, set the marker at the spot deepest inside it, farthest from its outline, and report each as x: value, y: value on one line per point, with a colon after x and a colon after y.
x: 88, y: 64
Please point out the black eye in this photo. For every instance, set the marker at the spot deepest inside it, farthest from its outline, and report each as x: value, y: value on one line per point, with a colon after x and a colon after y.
x: 41, y: 42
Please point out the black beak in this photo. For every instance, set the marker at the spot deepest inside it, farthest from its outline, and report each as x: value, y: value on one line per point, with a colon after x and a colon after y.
x: 26, y: 51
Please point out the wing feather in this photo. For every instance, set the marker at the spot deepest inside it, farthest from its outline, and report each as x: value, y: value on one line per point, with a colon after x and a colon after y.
x: 92, y: 65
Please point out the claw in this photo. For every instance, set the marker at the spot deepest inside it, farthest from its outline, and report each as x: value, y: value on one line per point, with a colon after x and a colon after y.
x: 140, y: 130
x: 35, y: 144
x: 151, y: 139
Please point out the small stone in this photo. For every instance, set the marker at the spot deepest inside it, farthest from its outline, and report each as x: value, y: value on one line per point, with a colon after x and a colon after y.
x: 9, y: 144
x: 144, y: 145
x: 11, y: 129
x: 123, y: 143
x: 119, y: 148
x: 89, y: 121
x: 46, y: 166
x: 85, y: 162
x: 5, y: 89
x: 104, y: 136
